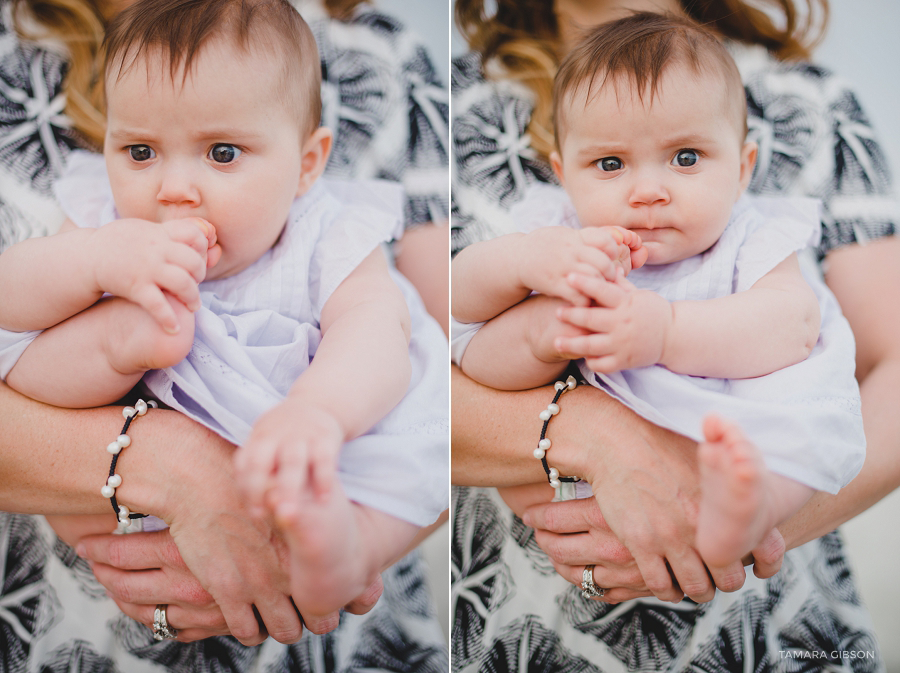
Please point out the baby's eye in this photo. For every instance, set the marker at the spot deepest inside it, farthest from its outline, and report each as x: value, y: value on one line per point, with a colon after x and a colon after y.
x: 224, y: 154
x: 685, y: 158
x: 141, y: 152
x: 610, y: 164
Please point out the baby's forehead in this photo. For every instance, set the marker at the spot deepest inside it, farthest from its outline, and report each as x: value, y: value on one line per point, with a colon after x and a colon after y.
x: 716, y: 85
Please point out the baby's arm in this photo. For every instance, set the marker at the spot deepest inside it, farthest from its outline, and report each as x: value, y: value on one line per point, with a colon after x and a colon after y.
x: 516, y: 348
x: 752, y: 333
x: 360, y: 371
x: 50, y: 279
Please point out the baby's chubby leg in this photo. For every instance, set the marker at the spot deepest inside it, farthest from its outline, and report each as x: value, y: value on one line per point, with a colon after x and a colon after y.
x: 741, y: 500
x: 97, y: 356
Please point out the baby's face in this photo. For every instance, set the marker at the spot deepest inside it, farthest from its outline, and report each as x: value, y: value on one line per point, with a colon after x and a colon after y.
x: 222, y: 146
x: 671, y: 171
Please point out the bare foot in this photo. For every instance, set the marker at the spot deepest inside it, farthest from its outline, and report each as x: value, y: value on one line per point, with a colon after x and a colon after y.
x: 328, y: 555
x: 734, y: 514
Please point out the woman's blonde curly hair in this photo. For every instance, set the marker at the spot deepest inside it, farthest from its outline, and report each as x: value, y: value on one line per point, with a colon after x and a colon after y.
x: 79, y: 25
x: 523, y: 37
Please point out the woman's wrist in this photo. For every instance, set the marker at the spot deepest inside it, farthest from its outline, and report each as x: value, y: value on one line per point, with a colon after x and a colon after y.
x: 173, y: 464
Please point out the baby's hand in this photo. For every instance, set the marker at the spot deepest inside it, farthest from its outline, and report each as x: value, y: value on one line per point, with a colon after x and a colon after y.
x: 547, y: 256
x: 140, y: 261
x: 628, y: 327
x: 291, y: 453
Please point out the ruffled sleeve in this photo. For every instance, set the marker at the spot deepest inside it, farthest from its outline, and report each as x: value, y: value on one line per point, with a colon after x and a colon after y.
x: 370, y: 212
x: 544, y: 205
x: 777, y: 228
x: 83, y: 190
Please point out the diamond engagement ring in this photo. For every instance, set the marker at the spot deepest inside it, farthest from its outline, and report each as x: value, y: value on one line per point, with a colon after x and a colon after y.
x: 161, y: 628
x: 588, y: 588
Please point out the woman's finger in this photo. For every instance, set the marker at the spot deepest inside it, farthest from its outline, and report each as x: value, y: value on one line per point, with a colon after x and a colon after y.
x: 367, y: 599
x: 768, y: 555
x: 152, y: 587
x: 570, y: 516
x: 323, y: 624
x: 729, y: 578
x: 658, y: 578
x: 692, y: 576
x: 137, y: 551
x: 208, y: 621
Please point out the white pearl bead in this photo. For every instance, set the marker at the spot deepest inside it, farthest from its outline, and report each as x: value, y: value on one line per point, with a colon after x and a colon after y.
x: 128, y: 412
x: 571, y: 382
x: 555, y: 483
x: 554, y: 473
x: 553, y: 409
x: 152, y: 404
x: 115, y: 481
x: 544, y: 415
x: 544, y: 444
x: 113, y: 448
x: 559, y: 385
x: 124, y: 524
x: 124, y: 512
x: 123, y: 441
x: 107, y: 491
x: 539, y: 453
x: 141, y: 407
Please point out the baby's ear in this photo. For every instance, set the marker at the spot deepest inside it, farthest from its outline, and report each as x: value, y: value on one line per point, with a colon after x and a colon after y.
x: 314, y: 156
x: 556, y: 164
x: 748, y: 161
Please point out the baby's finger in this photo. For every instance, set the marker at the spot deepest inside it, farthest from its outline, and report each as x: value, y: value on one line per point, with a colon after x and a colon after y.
x: 153, y: 301
x: 322, y: 468
x: 601, y: 260
x: 180, y: 284
x: 254, y: 467
x: 188, y: 259
x: 593, y: 319
x: 606, y: 364
x: 292, y: 475
x: 587, y: 346
x: 191, y: 231
x: 604, y: 293
x: 213, y: 255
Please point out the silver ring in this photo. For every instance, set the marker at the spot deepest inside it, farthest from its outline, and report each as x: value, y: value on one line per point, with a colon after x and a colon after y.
x: 161, y: 628
x: 588, y: 588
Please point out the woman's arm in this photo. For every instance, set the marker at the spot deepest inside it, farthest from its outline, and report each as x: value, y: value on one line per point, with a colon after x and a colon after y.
x: 423, y: 256
x: 866, y: 281
x: 645, y: 477
x: 53, y: 461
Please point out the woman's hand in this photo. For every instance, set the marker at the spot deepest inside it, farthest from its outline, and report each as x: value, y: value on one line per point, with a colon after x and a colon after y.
x: 574, y: 534
x: 143, y: 570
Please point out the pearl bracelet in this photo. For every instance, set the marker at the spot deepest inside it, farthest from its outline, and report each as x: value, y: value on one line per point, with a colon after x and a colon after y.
x: 115, y: 447
x: 544, y: 444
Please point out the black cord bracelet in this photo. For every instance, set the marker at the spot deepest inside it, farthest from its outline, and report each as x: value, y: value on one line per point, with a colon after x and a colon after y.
x: 544, y: 443
x: 113, y: 481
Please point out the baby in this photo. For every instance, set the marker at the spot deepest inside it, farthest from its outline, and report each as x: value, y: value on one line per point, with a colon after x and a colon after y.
x: 715, y: 320
x: 208, y: 259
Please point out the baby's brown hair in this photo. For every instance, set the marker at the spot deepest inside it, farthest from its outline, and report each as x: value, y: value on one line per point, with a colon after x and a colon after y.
x: 637, y: 51
x: 179, y: 29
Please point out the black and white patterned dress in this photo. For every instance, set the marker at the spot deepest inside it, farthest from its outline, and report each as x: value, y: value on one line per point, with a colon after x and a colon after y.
x: 512, y: 612
x: 390, y: 111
